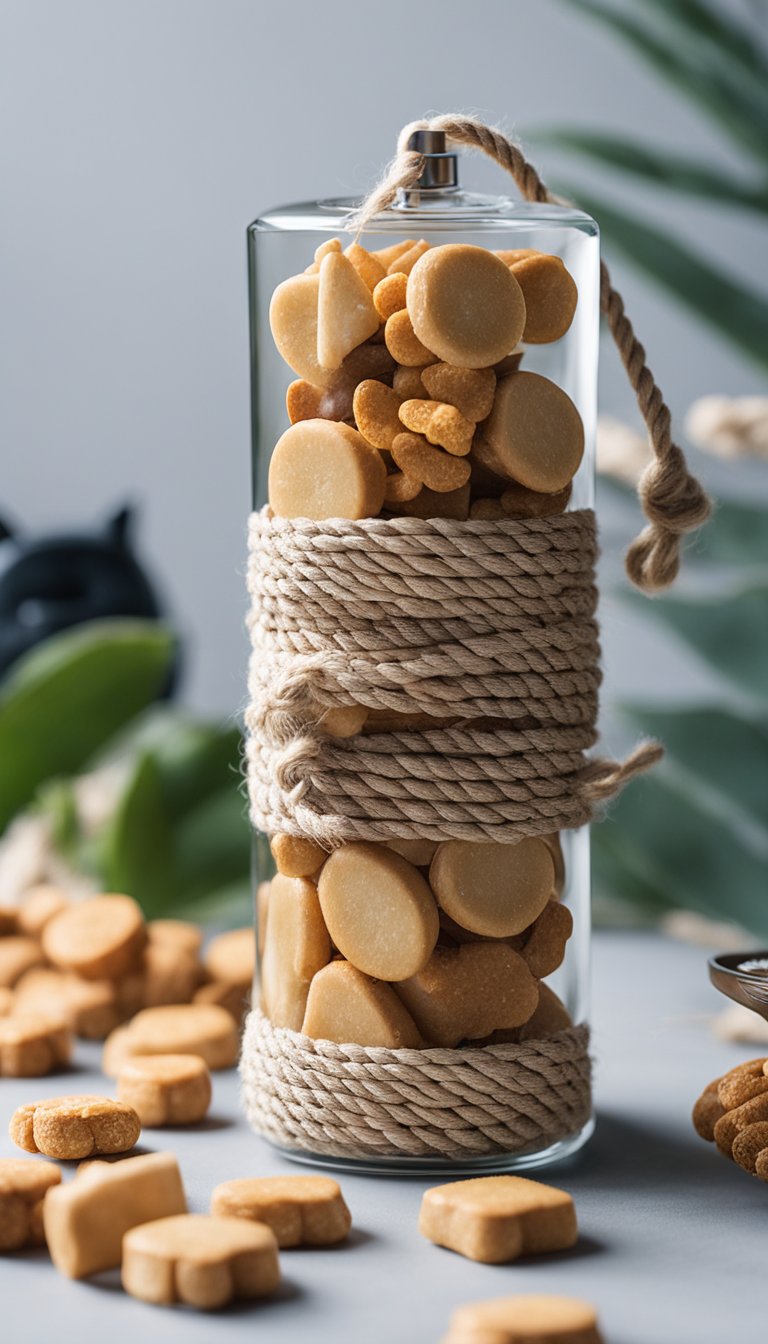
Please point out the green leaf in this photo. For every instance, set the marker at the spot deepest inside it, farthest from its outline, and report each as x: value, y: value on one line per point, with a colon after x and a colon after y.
x: 737, y: 313
x: 663, y: 170
x: 733, y: 97
x: 657, y: 841
x: 725, y: 751
x: 67, y: 697
x: 731, y: 633
x: 213, y: 845
x: 195, y: 761
x: 138, y: 851
x: 718, y: 32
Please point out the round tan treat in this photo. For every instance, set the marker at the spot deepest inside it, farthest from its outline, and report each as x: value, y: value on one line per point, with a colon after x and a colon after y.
x: 40, y: 904
x: 343, y: 720
x: 231, y: 956
x: 544, y: 943
x: 89, y: 1008
x: 386, y: 255
x: 18, y: 955
x: 75, y: 1127
x: 301, y: 1210
x: 418, y: 852
x: 165, y: 1089
x: 296, y: 856
x: 202, y: 1029
x: 517, y: 502
x: 400, y: 488
x: 179, y: 933
x: 296, y: 946
x: 407, y: 382
x: 534, y: 434
x: 379, y: 911
x: 550, y: 297
x: 344, y: 1005
x: 432, y: 504
x: 375, y: 407
x: 236, y: 999
x: 707, y: 1110
x: 324, y: 470
x: 368, y: 267
x: 465, y: 305
x: 510, y: 255
x: 201, y: 1261
x: 345, y: 313
x: 293, y: 320
x: 165, y: 974
x: 32, y: 1045
x: 440, y: 423
x: 525, y: 1320
x: 733, y: 1122
x: 389, y: 295
x: 402, y: 342
x: 430, y: 466
x: 471, y: 391
x: 742, y: 1084
x: 749, y: 1143
x: 465, y: 993
x: 496, y: 1219
x: 22, y: 1190
x: 99, y: 939
x: 496, y: 890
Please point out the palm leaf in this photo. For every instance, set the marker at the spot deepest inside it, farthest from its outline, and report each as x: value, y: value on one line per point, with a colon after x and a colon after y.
x: 717, y: 32
x: 137, y: 855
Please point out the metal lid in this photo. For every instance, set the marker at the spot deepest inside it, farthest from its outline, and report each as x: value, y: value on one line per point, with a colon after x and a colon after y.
x: 441, y: 168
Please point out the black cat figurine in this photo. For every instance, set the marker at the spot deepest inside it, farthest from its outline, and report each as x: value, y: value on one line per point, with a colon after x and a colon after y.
x: 50, y: 583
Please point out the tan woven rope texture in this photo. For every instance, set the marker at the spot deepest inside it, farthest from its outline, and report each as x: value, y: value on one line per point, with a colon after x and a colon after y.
x: 354, y: 1101
x: 464, y: 622
x: 672, y: 499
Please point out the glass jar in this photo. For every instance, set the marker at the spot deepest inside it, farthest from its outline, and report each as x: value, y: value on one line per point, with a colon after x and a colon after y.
x: 282, y: 244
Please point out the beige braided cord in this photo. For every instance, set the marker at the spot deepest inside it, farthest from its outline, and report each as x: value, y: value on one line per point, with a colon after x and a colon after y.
x: 357, y: 1101
x: 672, y: 499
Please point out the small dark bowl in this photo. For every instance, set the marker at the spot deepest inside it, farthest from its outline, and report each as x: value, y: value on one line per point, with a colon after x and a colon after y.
x: 742, y: 976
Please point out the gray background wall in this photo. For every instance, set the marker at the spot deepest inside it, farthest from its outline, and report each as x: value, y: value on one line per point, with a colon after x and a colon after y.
x: 139, y: 139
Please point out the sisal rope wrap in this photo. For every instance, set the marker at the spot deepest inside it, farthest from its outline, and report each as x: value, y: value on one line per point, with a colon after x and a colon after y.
x: 357, y: 1101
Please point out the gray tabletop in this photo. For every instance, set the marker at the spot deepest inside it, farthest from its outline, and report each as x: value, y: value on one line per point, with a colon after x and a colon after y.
x: 671, y: 1251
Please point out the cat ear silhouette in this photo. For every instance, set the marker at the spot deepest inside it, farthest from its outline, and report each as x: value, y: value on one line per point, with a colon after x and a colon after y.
x: 6, y: 530
x: 120, y: 527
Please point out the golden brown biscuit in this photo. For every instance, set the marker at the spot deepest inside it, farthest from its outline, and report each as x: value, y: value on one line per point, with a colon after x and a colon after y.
x: 296, y: 856
x: 407, y: 382
x: 386, y: 255
x: 418, y: 852
x: 165, y: 1089
x: 495, y: 1219
x: 100, y: 939
x: 517, y: 502
x: 419, y: 461
x: 534, y: 434
x: 231, y: 956
x: 18, y: 954
x: 525, y: 1320
x: 550, y: 297
x: 404, y: 262
x: 165, y: 974
x: 733, y: 1122
x: 551, y: 1016
x: 361, y: 927
x: 389, y: 295
x: 432, y: 504
x: 344, y: 1005
x: 86, y: 1219
x: 761, y: 1165
x: 495, y: 890
x: 465, y: 305
x: 202, y: 1029
x: 469, y: 991
x: 749, y: 1143
x: 75, y: 1127
x: 202, y: 1261
x: 88, y: 1008
x: 181, y: 933
x: 743, y: 1083
x: 40, y: 904
x: 403, y: 344
x: 440, y: 423
x: 707, y: 1110
x: 301, y: 1210
x: 320, y: 469
x: 233, y: 998
x: 543, y: 944
x: 375, y: 407
x: 368, y: 267
x: 471, y: 391
x: 32, y: 1045
x: 23, y: 1186
x: 486, y: 510
x: 399, y: 489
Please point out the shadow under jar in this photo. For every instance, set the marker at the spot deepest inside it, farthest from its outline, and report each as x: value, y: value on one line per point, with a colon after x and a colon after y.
x: 437, y: 942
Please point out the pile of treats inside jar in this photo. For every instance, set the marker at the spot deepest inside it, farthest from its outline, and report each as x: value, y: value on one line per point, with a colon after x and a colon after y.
x: 453, y: 949
x: 410, y: 399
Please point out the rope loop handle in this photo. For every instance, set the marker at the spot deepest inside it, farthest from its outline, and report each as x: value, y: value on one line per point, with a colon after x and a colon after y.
x: 672, y: 499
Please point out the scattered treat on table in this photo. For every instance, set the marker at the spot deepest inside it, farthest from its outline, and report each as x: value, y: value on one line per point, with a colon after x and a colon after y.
x: 525, y: 1319
x: 234, y: 999
x: 534, y: 434
x: 165, y: 1089
x: 362, y: 927
x: 75, y: 1127
x: 165, y: 973
x: 465, y: 305
x: 100, y: 939
x: 39, y: 906
x: 18, y: 954
x: 86, y: 1219
x: 464, y: 993
x: 32, y: 1045
x: 345, y: 1005
x: 296, y: 948
x: 88, y: 1008
x: 301, y: 1210
x: 202, y: 1029
x: 732, y: 1113
x: 202, y: 1261
x: 550, y: 296
x: 496, y: 890
x: 495, y: 1219
x: 180, y: 933
x: 320, y: 469
x: 231, y: 956
x: 23, y: 1186
x: 296, y: 856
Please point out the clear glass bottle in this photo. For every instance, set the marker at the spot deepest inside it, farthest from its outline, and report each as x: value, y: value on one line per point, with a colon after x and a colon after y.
x: 281, y: 244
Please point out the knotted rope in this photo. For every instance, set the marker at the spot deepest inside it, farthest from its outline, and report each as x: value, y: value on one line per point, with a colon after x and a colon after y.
x: 672, y: 499
x: 358, y: 1101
